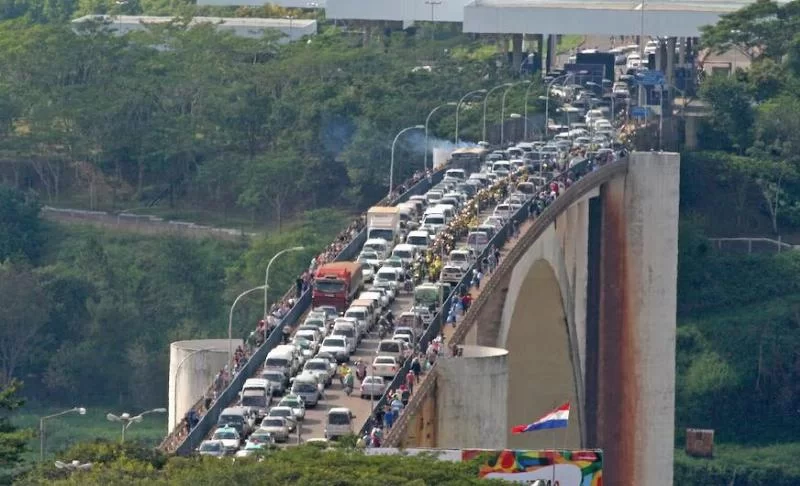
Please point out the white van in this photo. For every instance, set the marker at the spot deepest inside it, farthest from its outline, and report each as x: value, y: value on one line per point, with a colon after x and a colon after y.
x: 391, y: 347
x: 339, y: 422
x: 433, y: 196
x: 379, y: 246
x: 502, y: 168
x: 349, y: 331
x: 405, y: 252
x: 456, y: 174
x: 363, y: 316
x: 448, y: 210
x: 282, y: 360
x: 419, y: 240
x: 434, y: 221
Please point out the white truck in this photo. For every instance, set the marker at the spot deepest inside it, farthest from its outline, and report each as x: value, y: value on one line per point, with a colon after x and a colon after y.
x: 383, y: 222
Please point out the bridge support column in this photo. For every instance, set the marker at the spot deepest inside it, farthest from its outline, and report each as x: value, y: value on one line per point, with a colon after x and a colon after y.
x: 682, y: 51
x: 671, y: 43
x: 690, y: 132
x: 636, y: 335
x: 551, y: 52
x: 471, y: 393
x: 516, y: 53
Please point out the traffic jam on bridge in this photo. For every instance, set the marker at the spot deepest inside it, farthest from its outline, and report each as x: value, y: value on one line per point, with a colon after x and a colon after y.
x: 368, y: 316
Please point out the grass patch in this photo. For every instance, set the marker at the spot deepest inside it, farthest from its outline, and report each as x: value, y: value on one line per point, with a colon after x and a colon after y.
x: 740, y: 465
x: 67, y: 430
x: 568, y: 43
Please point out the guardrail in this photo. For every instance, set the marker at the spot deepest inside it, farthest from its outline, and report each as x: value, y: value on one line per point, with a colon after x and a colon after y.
x: 545, y: 219
x: 750, y: 245
x: 228, y: 396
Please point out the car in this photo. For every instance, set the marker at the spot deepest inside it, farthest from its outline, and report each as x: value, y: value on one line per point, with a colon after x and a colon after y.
x: 296, y: 403
x: 277, y: 379
x: 338, y: 347
x: 331, y: 359
x: 361, y: 316
x: 383, y: 295
x: 260, y: 438
x: 312, y: 333
x: 213, y: 448
x: 403, y: 337
x: 286, y: 413
x: 495, y: 220
x: 277, y: 427
x: 229, y: 437
x: 249, y: 450
x: 397, y: 263
x: 461, y: 258
x: 329, y: 311
x: 372, y: 386
x: 385, y: 366
x: 320, y: 367
x: 307, y: 348
x: 319, y: 322
x: 405, y: 330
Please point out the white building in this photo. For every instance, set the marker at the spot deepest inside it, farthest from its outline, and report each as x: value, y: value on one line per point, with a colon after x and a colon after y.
x: 293, y: 29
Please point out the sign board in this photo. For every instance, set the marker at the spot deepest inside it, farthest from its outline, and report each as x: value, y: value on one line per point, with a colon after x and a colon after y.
x: 639, y: 112
x: 650, y: 78
x: 567, y: 467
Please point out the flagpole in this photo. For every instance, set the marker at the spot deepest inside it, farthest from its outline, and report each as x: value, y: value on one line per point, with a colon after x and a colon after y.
x: 553, y: 455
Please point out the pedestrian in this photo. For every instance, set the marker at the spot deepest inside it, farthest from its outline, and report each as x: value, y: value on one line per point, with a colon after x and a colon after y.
x: 388, y: 419
x: 299, y: 287
x: 410, y: 380
x: 416, y: 367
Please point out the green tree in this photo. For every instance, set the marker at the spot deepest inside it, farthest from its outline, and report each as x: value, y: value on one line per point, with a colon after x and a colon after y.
x: 20, y: 228
x: 732, y: 115
x: 13, y: 441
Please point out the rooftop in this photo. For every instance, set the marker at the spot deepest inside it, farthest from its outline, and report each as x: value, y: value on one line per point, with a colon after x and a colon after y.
x: 248, y: 22
x: 720, y: 6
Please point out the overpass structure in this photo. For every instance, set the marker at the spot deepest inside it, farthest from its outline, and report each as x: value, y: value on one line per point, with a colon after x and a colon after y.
x: 677, y: 18
x: 582, y: 308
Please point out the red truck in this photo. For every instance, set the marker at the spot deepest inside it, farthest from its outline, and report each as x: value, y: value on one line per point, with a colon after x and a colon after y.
x: 337, y: 284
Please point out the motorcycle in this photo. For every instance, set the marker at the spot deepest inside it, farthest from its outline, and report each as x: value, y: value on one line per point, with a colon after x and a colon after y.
x: 348, y: 384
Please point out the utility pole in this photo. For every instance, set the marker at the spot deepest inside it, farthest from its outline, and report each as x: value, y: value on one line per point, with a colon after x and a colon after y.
x: 433, y: 4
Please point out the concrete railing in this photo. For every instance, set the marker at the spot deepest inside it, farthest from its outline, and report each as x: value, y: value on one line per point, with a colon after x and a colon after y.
x: 579, y: 189
x: 750, y: 245
x: 191, y: 441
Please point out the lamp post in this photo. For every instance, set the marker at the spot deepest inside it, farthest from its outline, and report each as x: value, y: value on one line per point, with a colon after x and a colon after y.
x: 503, y: 111
x: 394, y: 143
x: 485, y: 100
x: 78, y: 410
x: 230, y: 319
x: 460, y: 102
x: 427, y: 120
x: 547, y: 101
x: 527, y: 93
x: 291, y: 18
x: 127, y: 420
x: 266, y: 276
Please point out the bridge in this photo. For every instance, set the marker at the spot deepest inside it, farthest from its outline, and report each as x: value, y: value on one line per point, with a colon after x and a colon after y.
x: 582, y: 307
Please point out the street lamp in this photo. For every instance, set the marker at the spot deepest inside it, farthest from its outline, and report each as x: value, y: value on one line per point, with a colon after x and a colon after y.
x: 460, y: 102
x: 527, y: 93
x: 266, y: 275
x: 485, y: 100
x: 78, y: 410
x: 427, y: 120
x: 230, y: 319
x: 391, y: 165
x: 503, y: 110
x: 127, y: 420
x: 547, y: 101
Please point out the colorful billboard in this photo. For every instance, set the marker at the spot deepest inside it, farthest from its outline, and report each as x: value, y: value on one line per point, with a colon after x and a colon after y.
x: 555, y: 467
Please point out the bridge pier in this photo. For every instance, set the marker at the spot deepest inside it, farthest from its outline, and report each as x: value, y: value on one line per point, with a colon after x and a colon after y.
x: 471, y: 394
x: 636, y: 335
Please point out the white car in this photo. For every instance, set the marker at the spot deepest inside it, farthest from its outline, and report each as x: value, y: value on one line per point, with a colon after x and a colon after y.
x: 285, y: 413
x: 373, y: 386
x: 229, y: 437
x: 260, y: 438
x: 385, y: 366
x: 318, y: 322
x: 362, y: 318
x: 277, y: 427
x: 336, y: 346
x: 388, y: 278
x: 296, y: 403
x: 405, y: 330
x: 321, y: 368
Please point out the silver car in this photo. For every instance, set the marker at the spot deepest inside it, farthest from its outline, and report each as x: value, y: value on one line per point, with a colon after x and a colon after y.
x: 277, y: 427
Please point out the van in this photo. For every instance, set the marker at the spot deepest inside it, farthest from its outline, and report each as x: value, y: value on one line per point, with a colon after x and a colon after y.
x: 373, y: 307
x: 405, y: 252
x: 296, y: 351
x: 281, y: 360
x: 363, y: 317
x: 256, y: 395
x: 306, y: 388
x: 448, y: 210
x: 477, y: 240
x: 419, y: 239
x: 433, y: 196
x: 338, y: 423
x: 239, y: 418
x: 378, y: 245
x: 420, y: 201
x: 502, y: 168
x: 434, y: 221
x: 456, y: 174
x: 349, y: 331
x: 390, y: 347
